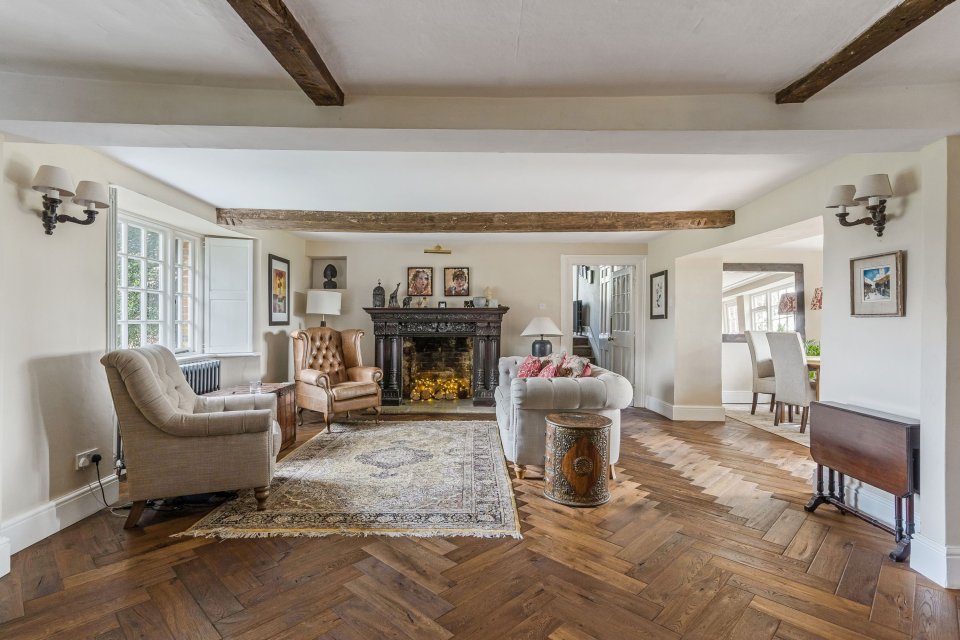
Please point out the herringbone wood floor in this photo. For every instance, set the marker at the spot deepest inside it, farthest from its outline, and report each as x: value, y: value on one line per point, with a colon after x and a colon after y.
x: 705, y: 537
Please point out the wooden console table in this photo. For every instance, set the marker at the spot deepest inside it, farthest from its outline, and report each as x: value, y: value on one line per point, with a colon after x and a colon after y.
x: 392, y: 324
x: 286, y: 406
x: 879, y: 449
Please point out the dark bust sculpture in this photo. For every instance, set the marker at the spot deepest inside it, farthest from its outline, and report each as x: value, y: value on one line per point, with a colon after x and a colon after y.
x: 329, y: 273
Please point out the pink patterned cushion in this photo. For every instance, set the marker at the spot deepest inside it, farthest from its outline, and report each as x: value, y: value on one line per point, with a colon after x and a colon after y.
x: 529, y: 368
x: 548, y: 371
x: 587, y: 371
x: 574, y: 366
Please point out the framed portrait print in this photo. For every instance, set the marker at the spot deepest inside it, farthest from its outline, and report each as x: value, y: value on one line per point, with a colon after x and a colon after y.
x: 278, y: 273
x: 877, y: 285
x: 419, y: 281
x: 456, y: 281
x: 658, y: 295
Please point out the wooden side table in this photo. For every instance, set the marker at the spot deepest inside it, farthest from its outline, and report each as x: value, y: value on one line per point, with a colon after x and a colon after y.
x: 577, y: 459
x: 286, y: 406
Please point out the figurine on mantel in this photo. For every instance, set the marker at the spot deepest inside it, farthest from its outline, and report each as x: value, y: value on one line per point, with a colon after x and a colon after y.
x: 406, y: 301
x: 393, y: 297
x: 379, y: 295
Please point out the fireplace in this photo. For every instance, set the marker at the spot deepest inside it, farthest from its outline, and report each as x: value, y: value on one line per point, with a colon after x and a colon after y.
x: 437, y: 368
x: 437, y: 353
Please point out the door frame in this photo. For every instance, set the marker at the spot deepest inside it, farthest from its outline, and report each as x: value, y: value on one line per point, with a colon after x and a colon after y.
x: 639, y: 262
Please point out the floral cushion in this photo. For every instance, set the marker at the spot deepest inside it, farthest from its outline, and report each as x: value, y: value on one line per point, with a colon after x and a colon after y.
x: 529, y: 368
x: 556, y: 359
x: 575, y: 366
x: 548, y: 371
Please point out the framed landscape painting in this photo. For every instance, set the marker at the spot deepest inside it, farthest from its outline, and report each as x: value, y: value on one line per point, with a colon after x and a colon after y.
x: 278, y: 272
x: 877, y: 286
x: 658, y: 296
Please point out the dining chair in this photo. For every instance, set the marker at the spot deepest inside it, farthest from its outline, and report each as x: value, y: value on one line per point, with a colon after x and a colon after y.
x: 763, y: 379
x: 793, y: 388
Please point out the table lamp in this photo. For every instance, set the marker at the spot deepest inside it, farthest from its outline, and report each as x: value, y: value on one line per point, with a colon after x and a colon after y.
x: 323, y: 302
x: 542, y: 326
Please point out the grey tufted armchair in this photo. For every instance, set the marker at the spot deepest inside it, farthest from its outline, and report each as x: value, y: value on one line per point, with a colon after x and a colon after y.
x: 330, y: 375
x: 178, y: 443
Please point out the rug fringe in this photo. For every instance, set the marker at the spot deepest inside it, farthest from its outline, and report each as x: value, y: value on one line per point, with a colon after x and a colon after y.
x: 233, y: 534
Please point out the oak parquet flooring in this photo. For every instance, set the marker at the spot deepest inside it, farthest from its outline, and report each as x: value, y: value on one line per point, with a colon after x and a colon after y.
x: 703, y: 537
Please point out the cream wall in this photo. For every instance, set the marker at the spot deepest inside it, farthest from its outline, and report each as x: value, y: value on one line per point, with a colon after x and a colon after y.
x: 523, y: 276
x: 54, y: 399
x: 902, y: 365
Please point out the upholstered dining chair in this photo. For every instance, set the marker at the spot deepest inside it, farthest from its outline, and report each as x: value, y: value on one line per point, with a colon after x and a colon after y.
x: 794, y: 387
x: 177, y: 443
x: 330, y: 376
x: 763, y: 379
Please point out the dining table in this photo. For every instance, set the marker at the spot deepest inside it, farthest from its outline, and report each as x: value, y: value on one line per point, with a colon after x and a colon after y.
x: 813, y: 364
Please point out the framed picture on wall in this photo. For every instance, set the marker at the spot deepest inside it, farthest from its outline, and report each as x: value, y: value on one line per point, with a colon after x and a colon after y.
x: 658, y: 296
x: 419, y: 281
x: 456, y: 281
x: 278, y: 274
x: 877, y: 287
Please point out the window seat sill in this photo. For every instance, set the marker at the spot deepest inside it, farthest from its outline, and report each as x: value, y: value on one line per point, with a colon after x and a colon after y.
x: 206, y: 356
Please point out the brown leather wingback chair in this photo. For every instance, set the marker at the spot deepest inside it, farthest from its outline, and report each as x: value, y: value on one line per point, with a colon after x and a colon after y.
x: 330, y: 376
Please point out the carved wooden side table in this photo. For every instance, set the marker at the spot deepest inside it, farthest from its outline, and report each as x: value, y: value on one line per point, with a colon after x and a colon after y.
x: 577, y: 459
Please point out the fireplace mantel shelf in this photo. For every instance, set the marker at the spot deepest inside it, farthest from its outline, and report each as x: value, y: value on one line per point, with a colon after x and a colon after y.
x: 391, y: 324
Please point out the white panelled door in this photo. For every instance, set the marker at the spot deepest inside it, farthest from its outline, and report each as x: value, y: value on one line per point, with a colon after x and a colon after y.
x: 622, y: 337
x: 229, y: 292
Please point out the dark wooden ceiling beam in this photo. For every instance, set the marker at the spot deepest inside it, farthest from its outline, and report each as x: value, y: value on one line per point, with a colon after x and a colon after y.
x: 280, y: 32
x: 472, y: 222
x: 902, y: 19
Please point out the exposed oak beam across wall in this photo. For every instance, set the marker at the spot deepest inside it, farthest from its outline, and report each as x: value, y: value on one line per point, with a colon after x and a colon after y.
x: 280, y: 32
x: 472, y: 222
x: 898, y: 22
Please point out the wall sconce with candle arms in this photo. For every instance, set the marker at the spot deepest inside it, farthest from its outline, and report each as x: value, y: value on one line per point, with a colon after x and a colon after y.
x: 872, y: 190
x: 55, y: 184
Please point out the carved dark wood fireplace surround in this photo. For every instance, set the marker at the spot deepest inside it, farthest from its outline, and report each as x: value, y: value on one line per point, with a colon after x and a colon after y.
x: 392, y: 325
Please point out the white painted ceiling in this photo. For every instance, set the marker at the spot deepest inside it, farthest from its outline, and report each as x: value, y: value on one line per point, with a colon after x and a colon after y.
x: 478, y: 48
x: 401, y: 181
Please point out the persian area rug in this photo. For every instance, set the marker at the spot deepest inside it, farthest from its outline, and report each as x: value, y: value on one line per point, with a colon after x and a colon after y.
x: 416, y: 478
x: 764, y: 420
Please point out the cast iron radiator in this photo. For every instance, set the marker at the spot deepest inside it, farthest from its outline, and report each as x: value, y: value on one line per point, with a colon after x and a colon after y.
x: 203, y: 376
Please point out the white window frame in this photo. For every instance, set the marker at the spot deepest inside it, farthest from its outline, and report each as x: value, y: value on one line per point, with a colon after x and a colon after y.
x: 168, y: 317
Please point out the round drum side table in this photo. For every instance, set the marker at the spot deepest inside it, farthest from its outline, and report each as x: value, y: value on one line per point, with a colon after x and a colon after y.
x: 577, y: 459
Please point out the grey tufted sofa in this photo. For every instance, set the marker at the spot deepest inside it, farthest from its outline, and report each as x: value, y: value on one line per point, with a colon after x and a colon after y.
x: 523, y: 404
x: 178, y: 443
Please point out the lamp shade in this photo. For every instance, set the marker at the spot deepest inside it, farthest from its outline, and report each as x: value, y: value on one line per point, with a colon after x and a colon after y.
x: 92, y: 195
x: 842, y: 196
x: 51, y: 178
x: 321, y: 301
x: 876, y: 185
x: 541, y: 326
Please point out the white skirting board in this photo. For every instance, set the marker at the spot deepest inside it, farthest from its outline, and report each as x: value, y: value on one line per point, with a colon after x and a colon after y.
x: 686, y: 412
x: 4, y: 557
x: 44, y: 521
x: 935, y: 561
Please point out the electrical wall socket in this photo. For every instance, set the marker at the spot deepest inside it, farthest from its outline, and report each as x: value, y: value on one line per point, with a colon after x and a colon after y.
x: 83, y: 458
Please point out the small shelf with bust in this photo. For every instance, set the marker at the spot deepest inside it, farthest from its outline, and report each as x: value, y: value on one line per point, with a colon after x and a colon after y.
x: 328, y: 272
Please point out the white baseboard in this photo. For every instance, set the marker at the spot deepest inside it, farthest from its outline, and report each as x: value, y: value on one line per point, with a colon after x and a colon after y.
x: 47, y: 519
x: 4, y: 557
x: 685, y: 412
x: 935, y: 561
x: 740, y: 397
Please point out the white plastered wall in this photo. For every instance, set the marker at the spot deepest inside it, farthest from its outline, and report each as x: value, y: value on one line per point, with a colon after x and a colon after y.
x: 901, y: 365
x: 522, y: 276
x: 54, y: 399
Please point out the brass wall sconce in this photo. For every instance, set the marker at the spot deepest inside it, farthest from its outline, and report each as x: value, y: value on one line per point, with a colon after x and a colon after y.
x: 55, y: 185
x: 438, y: 249
x: 872, y: 190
